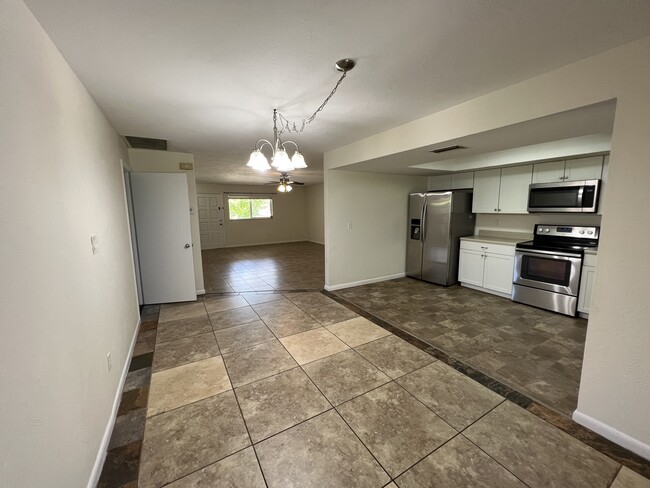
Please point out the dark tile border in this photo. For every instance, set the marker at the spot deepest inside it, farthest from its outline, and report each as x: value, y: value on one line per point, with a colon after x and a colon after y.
x: 122, y: 464
x: 626, y: 458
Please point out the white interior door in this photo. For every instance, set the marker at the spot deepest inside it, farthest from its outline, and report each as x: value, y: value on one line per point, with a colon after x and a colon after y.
x: 211, y: 215
x: 162, y: 219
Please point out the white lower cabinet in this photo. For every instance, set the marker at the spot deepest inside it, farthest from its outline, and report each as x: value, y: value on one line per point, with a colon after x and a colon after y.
x: 586, y: 284
x: 486, y: 266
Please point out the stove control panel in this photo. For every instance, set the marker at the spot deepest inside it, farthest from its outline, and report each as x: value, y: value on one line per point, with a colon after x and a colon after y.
x: 579, y: 232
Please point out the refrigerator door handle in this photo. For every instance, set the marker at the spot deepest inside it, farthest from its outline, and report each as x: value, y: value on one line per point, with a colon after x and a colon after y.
x: 423, y: 225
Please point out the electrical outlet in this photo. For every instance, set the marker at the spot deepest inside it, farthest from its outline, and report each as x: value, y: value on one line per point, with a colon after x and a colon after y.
x: 109, y: 362
x: 94, y: 244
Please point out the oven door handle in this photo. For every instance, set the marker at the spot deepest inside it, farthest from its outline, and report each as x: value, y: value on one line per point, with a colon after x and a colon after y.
x: 548, y: 253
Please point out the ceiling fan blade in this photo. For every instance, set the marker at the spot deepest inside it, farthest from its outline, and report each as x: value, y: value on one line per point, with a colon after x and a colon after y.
x: 296, y: 183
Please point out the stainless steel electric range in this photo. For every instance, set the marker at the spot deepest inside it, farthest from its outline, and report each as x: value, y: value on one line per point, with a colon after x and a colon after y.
x: 548, y: 268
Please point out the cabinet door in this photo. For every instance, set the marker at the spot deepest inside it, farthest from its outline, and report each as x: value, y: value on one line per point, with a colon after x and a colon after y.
x: 470, y: 267
x: 462, y: 181
x: 586, y: 287
x: 486, y: 191
x: 513, y: 195
x: 548, y: 172
x: 498, y: 273
x: 440, y: 182
x: 584, y: 168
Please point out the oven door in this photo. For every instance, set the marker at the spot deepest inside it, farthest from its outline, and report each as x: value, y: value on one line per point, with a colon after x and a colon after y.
x: 548, y: 270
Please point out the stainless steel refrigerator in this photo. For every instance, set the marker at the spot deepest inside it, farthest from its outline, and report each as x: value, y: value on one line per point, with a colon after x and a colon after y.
x: 437, y: 221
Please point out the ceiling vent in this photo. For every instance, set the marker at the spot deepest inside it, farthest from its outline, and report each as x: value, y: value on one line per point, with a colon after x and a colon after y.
x: 447, y: 148
x: 146, y: 143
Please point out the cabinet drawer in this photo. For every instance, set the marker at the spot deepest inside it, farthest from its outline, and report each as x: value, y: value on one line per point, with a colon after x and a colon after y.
x: 488, y: 247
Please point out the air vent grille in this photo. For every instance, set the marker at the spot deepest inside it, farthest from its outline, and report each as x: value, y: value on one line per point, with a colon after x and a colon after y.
x: 146, y: 143
x: 447, y: 148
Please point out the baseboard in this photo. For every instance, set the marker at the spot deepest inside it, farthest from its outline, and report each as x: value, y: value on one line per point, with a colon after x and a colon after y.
x: 364, y: 282
x: 200, y: 292
x: 616, y: 436
x: 103, y: 447
x: 485, y: 290
x: 316, y: 242
x: 265, y: 243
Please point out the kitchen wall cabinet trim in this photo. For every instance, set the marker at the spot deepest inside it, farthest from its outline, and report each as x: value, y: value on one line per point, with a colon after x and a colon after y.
x: 487, y: 267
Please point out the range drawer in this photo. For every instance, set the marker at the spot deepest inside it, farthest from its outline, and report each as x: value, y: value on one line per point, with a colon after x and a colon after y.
x: 490, y: 247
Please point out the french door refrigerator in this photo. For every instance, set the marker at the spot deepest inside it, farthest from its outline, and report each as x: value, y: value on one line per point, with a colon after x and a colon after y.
x: 437, y: 221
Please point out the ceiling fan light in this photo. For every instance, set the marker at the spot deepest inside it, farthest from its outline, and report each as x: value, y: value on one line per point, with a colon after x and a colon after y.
x: 288, y: 188
x: 298, y: 160
x: 282, y: 188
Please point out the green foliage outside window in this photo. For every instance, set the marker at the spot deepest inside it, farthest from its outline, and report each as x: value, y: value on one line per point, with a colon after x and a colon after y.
x: 240, y: 208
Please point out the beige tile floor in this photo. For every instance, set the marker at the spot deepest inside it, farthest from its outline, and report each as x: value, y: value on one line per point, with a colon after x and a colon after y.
x: 291, y: 266
x: 328, y: 399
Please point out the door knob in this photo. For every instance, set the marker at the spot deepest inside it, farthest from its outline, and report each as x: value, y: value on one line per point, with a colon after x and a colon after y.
x: 187, y: 246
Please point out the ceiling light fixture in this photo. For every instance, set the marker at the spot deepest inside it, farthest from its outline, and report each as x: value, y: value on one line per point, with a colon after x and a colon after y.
x: 280, y: 159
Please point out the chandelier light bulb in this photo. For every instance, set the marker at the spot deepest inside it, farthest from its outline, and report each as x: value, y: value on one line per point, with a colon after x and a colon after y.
x: 281, y: 161
x: 298, y: 160
x: 258, y: 161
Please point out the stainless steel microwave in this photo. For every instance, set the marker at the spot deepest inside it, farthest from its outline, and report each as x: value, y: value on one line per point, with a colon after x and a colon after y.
x: 568, y: 196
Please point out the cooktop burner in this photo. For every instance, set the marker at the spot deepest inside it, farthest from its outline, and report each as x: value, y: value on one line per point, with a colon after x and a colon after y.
x: 562, y: 238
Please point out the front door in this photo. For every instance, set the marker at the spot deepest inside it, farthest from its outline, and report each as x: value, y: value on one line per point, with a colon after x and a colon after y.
x: 161, y: 207
x: 211, y: 220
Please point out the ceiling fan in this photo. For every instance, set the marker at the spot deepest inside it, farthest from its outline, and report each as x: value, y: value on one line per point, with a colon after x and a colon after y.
x: 285, y: 183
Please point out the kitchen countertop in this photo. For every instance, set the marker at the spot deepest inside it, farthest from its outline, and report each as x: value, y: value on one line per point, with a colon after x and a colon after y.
x: 593, y: 251
x: 494, y: 237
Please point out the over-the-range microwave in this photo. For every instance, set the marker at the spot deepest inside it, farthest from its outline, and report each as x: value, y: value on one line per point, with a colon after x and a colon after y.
x: 568, y: 196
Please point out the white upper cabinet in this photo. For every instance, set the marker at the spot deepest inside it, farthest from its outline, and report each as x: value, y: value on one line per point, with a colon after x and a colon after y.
x: 502, y: 190
x: 486, y: 191
x: 584, y: 168
x: 513, y: 194
x: 455, y: 181
x: 462, y: 181
x: 548, y: 172
x: 439, y: 182
x: 570, y: 170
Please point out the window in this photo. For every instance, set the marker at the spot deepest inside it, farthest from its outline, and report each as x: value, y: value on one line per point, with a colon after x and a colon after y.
x: 245, y: 208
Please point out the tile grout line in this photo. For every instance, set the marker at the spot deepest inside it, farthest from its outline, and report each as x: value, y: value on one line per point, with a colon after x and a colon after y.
x: 550, y: 416
x: 346, y: 423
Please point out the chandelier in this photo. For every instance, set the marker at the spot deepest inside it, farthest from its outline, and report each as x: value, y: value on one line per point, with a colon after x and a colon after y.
x: 280, y: 159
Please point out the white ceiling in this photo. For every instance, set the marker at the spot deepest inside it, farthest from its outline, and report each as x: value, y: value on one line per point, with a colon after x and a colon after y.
x: 206, y: 75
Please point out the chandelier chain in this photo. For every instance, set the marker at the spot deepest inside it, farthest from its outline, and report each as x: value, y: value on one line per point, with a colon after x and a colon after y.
x: 288, y: 126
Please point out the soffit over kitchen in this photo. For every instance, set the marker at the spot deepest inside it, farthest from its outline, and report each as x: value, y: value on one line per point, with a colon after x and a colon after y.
x: 580, y: 132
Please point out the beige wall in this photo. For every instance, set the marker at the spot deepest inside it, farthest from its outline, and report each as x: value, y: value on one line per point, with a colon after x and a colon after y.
x: 365, y: 226
x: 615, y: 387
x: 150, y: 161
x: 289, y: 222
x: 526, y: 222
x: 62, y: 309
x: 316, y: 213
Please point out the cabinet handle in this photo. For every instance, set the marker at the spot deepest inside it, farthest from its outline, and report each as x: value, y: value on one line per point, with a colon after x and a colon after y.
x: 483, y: 247
x: 496, y: 209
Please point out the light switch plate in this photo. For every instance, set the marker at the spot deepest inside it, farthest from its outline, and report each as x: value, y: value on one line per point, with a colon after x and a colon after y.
x: 94, y: 244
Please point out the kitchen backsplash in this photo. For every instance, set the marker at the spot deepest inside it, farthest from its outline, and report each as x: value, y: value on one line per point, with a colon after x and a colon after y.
x: 525, y: 223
